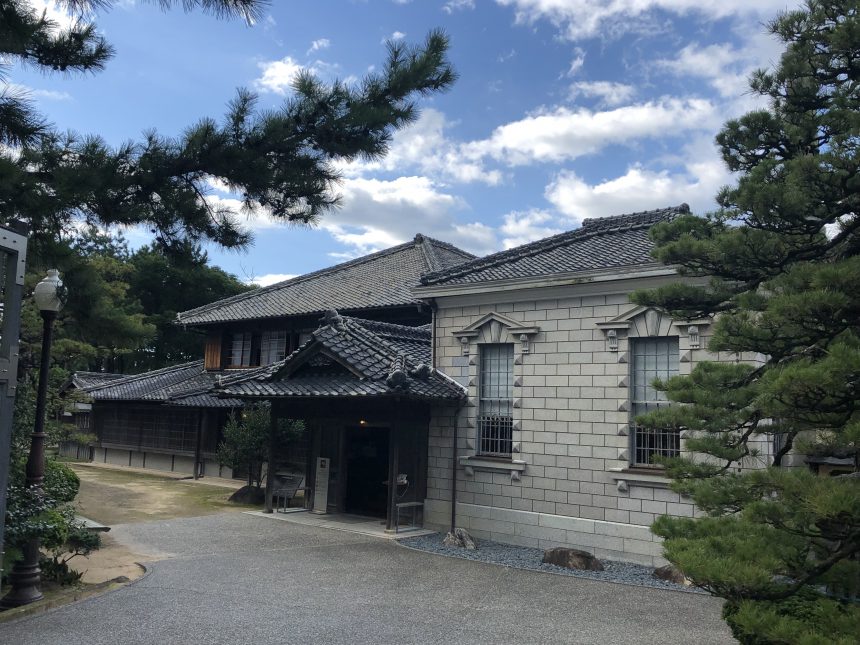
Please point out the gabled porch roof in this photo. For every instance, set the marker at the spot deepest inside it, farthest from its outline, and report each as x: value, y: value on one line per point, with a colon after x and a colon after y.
x: 349, y: 357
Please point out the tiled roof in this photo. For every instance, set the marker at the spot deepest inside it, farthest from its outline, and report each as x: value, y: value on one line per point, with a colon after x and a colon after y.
x: 382, y: 359
x: 382, y: 279
x: 88, y: 380
x: 187, y: 384
x: 603, y: 243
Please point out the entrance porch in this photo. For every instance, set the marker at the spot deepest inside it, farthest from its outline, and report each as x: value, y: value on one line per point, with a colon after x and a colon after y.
x: 364, y: 459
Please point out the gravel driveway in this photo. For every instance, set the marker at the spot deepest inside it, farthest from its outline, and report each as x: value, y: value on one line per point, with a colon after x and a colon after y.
x: 235, y: 579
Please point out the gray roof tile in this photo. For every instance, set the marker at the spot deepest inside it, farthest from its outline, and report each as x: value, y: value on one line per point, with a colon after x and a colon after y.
x: 390, y: 359
x: 602, y: 243
x: 89, y: 380
x: 382, y: 279
x: 187, y: 384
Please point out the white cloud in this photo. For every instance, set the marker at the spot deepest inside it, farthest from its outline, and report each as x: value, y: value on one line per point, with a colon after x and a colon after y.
x: 278, y: 75
x: 565, y: 133
x: 269, y: 279
x: 378, y: 213
x: 424, y: 146
x: 25, y: 91
x: 578, y: 19
x: 458, y: 5
x: 54, y: 12
x: 521, y: 227
x: 608, y: 92
x: 397, y: 35
x: 701, y: 175
x: 576, y: 62
x: 320, y: 43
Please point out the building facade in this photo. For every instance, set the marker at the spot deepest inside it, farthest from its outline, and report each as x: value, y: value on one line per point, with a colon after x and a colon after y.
x: 172, y: 418
x: 557, y: 363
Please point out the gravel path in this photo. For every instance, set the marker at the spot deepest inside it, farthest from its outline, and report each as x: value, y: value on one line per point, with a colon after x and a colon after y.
x: 522, y: 557
x: 237, y: 578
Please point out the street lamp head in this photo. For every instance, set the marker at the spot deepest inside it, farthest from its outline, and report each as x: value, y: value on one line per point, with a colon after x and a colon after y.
x: 48, y: 293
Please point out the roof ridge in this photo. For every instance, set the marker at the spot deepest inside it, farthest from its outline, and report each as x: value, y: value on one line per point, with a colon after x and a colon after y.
x: 131, y: 378
x: 428, y: 252
x: 591, y: 227
x: 391, y: 329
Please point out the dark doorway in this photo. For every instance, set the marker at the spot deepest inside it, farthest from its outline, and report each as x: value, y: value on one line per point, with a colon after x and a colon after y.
x: 366, y: 471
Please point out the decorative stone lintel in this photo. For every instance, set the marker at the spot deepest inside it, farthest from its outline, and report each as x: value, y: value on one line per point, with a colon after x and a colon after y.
x: 495, y: 465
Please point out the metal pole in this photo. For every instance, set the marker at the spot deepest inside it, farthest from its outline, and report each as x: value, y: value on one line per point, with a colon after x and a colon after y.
x: 454, y: 472
x: 14, y: 244
x: 25, y: 577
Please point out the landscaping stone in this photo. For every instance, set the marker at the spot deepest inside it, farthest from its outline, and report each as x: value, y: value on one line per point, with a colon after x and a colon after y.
x: 571, y: 559
x: 524, y: 557
x: 249, y: 495
x: 670, y: 573
x: 460, y: 538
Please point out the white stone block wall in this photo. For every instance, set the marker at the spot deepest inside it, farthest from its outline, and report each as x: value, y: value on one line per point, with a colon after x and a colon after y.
x: 571, y: 400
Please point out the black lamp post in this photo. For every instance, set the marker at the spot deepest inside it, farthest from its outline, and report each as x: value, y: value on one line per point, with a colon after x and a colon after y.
x: 25, y: 578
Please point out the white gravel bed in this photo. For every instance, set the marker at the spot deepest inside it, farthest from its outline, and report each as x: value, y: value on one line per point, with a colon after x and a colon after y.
x: 522, y: 557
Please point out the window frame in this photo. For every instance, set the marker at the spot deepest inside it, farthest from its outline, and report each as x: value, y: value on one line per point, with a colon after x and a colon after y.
x: 246, y: 349
x: 495, y: 429
x: 267, y: 346
x: 644, y: 445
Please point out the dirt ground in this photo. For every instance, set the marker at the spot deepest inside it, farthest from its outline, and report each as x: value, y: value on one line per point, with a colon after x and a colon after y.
x: 113, y: 497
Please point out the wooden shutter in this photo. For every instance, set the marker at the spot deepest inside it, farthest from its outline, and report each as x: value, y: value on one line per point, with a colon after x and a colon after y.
x: 212, y: 357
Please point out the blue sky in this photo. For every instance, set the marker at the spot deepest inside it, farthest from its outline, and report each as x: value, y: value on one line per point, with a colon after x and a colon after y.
x: 565, y: 109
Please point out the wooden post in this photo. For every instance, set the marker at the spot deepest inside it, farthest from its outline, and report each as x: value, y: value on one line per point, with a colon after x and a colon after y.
x: 270, y: 466
x: 197, y: 469
x: 393, y: 466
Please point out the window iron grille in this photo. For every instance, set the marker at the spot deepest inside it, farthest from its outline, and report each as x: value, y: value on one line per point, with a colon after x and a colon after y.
x: 495, y: 419
x: 653, y: 358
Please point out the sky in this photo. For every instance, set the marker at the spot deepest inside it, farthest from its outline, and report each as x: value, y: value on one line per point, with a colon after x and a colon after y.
x: 564, y: 110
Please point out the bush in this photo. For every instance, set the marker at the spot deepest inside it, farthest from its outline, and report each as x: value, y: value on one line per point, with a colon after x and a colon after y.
x: 61, y: 483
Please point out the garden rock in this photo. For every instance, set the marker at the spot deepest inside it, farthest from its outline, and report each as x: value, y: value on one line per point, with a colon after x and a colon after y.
x: 249, y: 495
x: 571, y: 559
x: 460, y: 538
x: 670, y: 573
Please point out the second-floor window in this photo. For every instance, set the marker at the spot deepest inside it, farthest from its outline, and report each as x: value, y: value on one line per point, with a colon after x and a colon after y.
x: 653, y: 358
x: 273, y: 347
x: 240, y: 349
x: 496, y: 382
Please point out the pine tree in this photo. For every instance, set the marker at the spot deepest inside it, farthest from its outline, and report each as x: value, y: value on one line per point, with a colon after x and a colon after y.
x: 778, y: 267
x: 281, y: 160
